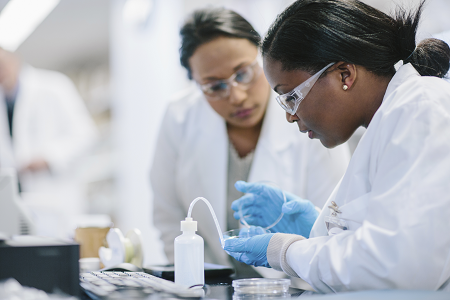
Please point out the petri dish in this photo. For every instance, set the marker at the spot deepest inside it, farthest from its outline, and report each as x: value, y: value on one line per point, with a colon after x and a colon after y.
x: 245, y: 232
x: 275, y: 222
x: 261, y: 286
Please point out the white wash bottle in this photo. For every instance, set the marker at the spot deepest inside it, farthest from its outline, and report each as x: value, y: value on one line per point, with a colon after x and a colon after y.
x: 189, y: 256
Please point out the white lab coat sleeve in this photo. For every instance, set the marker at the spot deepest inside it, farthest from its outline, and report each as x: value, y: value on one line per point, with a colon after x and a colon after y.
x: 77, y: 131
x: 325, y: 168
x: 276, y: 251
x: 167, y: 207
x: 404, y: 241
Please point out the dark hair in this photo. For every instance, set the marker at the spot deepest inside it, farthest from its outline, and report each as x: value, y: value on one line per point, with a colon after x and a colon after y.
x: 433, y: 57
x: 310, y: 34
x: 207, y: 24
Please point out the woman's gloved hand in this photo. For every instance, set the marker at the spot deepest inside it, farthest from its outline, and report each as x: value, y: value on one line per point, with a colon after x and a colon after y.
x: 263, y: 204
x: 252, y: 251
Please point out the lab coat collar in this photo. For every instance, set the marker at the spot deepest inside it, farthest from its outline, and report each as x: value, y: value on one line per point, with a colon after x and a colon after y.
x: 214, y: 150
x: 271, y: 132
x: 212, y: 157
x: 403, y: 74
x: 276, y: 136
x: 274, y: 124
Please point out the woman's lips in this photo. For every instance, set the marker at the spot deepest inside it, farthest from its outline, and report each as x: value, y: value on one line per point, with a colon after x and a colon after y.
x: 307, y: 131
x: 243, y: 113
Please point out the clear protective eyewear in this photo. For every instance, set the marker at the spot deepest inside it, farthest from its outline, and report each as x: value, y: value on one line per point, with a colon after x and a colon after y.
x: 244, y: 77
x: 290, y: 101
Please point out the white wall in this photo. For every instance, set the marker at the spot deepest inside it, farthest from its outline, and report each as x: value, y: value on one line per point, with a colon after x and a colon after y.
x: 144, y: 72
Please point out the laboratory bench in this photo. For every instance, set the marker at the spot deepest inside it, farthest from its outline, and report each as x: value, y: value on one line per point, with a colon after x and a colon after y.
x: 215, y: 288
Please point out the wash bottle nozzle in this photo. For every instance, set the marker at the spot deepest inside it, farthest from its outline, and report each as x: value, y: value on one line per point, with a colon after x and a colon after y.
x: 222, y: 242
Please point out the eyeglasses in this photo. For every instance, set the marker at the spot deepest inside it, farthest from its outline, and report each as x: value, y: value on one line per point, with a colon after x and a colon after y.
x: 290, y: 101
x: 220, y: 89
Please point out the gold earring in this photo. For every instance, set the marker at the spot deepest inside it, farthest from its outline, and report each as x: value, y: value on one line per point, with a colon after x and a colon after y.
x: 345, y: 87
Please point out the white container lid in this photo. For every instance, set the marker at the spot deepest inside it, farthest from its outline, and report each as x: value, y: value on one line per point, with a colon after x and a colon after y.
x: 189, y: 225
x: 89, y: 264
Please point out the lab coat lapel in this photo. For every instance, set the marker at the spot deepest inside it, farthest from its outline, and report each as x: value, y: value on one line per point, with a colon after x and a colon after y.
x: 6, y: 150
x: 212, y: 155
x: 268, y: 158
x: 212, y: 158
x: 24, y: 131
x: 319, y: 228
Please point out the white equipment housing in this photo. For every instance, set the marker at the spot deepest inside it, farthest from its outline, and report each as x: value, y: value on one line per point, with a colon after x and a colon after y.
x: 14, y: 219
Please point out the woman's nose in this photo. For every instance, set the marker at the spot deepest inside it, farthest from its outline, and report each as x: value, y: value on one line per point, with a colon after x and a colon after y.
x: 237, y: 95
x: 291, y: 118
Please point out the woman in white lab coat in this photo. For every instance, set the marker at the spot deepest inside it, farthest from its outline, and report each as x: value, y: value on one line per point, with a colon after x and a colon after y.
x: 228, y: 130
x: 386, y: 225
x: 51, y: 128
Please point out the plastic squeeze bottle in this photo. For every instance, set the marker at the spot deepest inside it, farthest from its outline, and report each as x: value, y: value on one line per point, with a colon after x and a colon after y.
x: 189, y: 256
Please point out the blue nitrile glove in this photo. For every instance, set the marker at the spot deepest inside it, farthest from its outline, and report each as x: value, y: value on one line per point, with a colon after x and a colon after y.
x: 252, y: 251
x: 263, y: 204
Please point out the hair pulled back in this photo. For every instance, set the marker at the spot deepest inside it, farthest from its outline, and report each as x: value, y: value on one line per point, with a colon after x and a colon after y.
x: 205, y: 25
x: 312, y: 33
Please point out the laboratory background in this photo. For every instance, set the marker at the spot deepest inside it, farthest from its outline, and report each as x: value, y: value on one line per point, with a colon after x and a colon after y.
x: 122, y: 57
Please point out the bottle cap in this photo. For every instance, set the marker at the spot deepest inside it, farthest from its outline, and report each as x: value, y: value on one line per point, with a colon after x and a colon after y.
x: 188, y: 225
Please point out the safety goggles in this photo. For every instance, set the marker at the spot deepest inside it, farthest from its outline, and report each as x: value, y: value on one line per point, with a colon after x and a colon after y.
x: 290, y: 101
x: 220, y: 89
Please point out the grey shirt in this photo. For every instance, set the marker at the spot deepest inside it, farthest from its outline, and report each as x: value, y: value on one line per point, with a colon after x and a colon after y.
x: 238, y: 169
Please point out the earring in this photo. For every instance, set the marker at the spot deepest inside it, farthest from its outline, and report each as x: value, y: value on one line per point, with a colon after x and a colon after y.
x: 345, y: 87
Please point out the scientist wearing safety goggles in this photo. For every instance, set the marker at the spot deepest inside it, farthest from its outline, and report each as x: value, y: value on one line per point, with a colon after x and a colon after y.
x: 386, y: 225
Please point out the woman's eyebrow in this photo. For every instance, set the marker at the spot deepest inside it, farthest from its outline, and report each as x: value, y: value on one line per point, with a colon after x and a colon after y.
x: 215, y: 78
x: 239, y: 66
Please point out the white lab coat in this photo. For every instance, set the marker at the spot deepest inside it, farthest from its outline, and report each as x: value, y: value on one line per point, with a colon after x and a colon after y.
x: 394, y: 196
x: 191, y: 160
x: 51, y: 122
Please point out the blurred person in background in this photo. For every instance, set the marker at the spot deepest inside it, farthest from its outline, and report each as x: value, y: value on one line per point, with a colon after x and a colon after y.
x: 44, y: 128
x: 226, y: 129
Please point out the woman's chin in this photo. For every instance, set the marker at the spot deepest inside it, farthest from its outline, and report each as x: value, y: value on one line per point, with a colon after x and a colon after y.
x: 327, y: 143
x: 248, y: 122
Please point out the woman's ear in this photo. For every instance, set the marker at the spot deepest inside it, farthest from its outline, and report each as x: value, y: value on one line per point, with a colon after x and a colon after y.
x: 348, y: 74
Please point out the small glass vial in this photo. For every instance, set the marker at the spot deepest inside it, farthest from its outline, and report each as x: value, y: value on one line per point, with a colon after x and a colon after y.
x: 189, y: 256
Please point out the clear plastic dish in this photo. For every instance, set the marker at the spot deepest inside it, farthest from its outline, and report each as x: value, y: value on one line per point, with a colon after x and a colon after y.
x: 261, y: 286
x: 275, y: 222
x: 245, y: 232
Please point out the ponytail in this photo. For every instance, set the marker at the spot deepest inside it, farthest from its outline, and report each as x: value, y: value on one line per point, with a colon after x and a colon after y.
x: 431, y: 57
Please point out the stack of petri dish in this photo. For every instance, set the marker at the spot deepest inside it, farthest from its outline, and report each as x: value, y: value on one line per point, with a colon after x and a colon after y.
x: 257, y: 288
